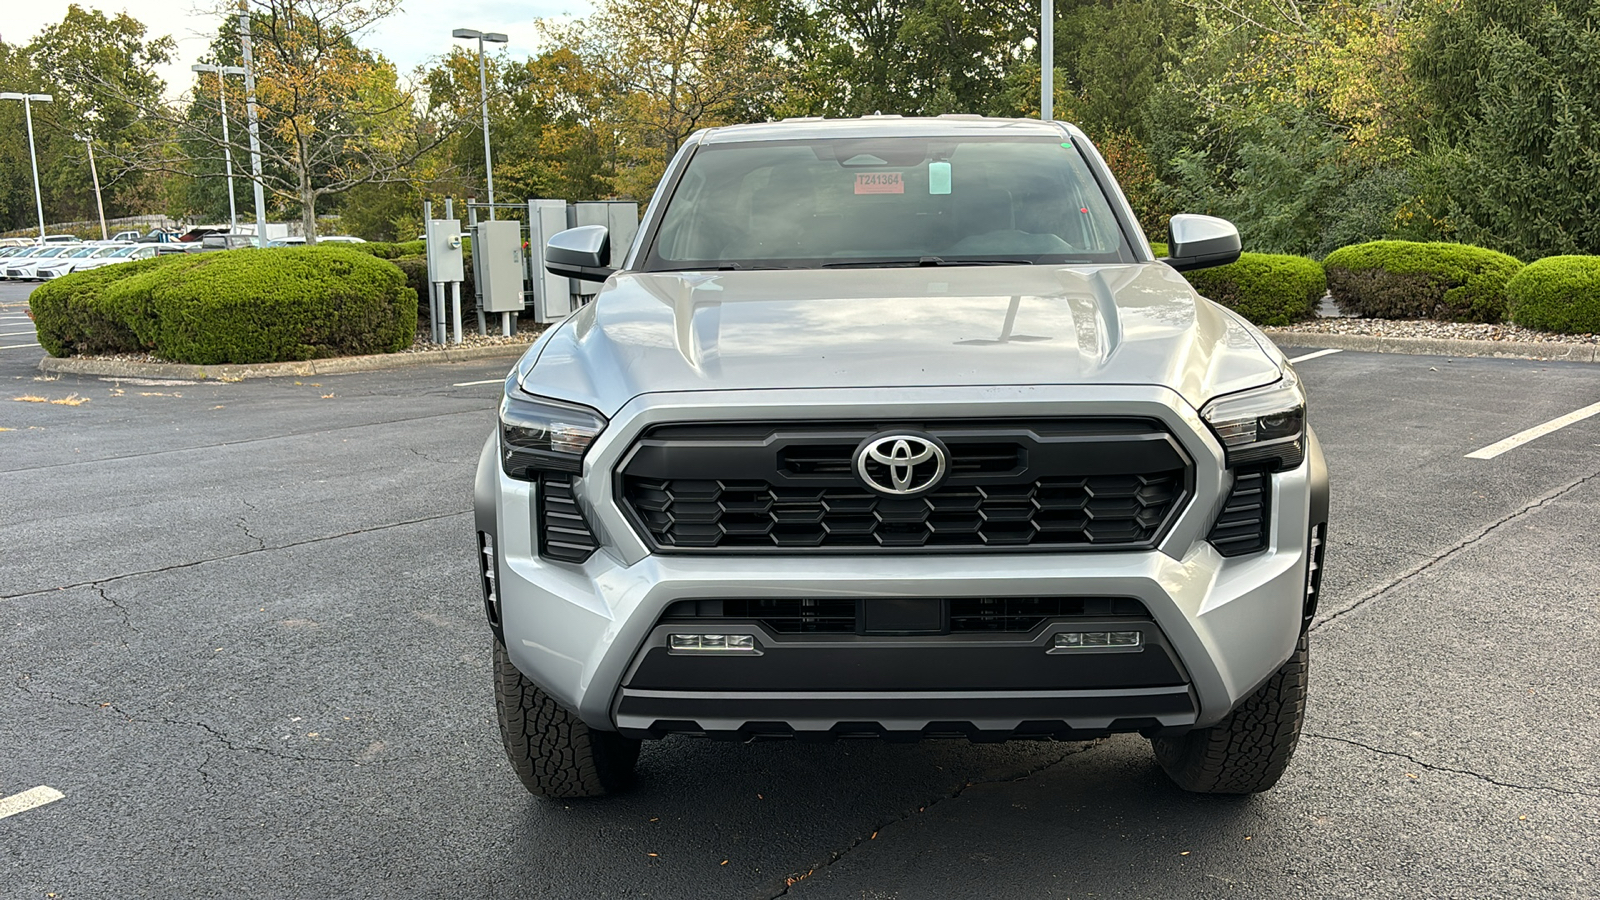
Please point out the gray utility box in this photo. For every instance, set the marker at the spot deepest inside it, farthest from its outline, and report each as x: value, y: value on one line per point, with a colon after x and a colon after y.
x: 497, y: 259
x: 444, y: 251
x: 552, y: 294
x: 621, y: 219
x: 555, y: 297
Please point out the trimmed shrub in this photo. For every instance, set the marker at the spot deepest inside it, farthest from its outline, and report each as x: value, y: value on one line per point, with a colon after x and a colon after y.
x: 1408, y: 280
x: 384, y: 250
x: 1158, y: 248
x: 236, y: 306
x: 1558, y: 293
x: 81, y: 313
x: 1266, y: 288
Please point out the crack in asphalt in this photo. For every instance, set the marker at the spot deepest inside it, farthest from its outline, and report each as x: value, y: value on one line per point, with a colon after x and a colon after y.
x: 244, y: 526
x: 242, y: 442
x: 96, y: 583
x: 121, y: 610
x: 1433, y: 767
x: 835, y: 855
x: 1450, y: 551
x: 23, y: 684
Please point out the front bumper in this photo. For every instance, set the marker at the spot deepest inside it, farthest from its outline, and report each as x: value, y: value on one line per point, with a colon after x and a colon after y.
x: 583, y: 631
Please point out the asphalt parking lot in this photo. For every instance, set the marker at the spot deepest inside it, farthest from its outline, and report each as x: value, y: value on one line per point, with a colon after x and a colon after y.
x: 242, y: 639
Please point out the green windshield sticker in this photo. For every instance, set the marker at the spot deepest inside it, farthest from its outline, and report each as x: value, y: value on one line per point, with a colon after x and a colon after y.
x: 1067, y: 144
x: 938, y: 178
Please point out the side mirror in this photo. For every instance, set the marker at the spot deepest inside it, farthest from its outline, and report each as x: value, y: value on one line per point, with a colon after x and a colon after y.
x: 1198, y: 242
x: 580, y: 253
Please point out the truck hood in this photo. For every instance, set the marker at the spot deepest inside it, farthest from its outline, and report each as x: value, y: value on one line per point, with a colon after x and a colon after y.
x: 874, y: 328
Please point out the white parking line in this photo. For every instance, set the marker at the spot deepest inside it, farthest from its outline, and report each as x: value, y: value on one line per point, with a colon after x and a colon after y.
x: 29, y: 799
x: 1300, y: 359
x: 1537, y: 431
x: 471, y: 383
x: 13, y: 333
x: 16, y: 346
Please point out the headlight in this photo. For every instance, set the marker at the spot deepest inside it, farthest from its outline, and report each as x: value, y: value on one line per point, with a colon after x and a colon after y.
x: 1265, y: 424
x: 544, y: 435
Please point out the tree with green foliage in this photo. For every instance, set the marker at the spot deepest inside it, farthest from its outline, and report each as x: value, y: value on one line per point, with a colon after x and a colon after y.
x: 99, y: 69
x: 1512, y: 135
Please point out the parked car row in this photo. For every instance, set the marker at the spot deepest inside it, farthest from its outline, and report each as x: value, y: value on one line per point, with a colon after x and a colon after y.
x: 58, y: 255
x: 52, y: 260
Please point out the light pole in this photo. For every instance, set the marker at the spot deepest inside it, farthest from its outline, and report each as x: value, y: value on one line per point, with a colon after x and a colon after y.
x: 33, y: 155
x: 255, y: 128
x: 227, y: 148
x: 492, y: 37
x: 99, y: 204
x: 1047, y: 60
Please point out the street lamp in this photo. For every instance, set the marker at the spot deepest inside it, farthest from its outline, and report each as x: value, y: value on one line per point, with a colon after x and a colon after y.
x: 33, y: 155
x: 227, y: 151
x: 255, y: 127
x: 492, y: 37
x: 1047, y: 60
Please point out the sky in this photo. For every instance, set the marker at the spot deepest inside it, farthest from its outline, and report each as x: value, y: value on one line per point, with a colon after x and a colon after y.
x: 419, y: 32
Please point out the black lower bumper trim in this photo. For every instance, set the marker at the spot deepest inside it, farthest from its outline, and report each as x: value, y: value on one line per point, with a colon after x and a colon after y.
x: 976, y: 715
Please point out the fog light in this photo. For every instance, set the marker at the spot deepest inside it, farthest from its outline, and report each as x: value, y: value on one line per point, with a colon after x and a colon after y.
x: 1075, y: 640
x: 711, y: 643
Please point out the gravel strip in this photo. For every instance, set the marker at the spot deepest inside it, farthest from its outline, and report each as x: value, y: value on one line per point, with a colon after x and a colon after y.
x: 1427, y: 328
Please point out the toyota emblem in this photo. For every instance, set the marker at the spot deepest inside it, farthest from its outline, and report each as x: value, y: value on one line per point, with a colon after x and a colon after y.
x: 900, y: 464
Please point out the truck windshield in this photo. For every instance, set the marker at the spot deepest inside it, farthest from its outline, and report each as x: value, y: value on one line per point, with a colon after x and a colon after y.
x: 907, y: 201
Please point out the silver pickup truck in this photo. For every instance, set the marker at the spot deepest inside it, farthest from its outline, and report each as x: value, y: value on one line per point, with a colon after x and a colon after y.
x: 896, y: 427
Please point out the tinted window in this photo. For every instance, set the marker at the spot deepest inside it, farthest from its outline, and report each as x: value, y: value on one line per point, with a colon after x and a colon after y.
x: 893, y: 200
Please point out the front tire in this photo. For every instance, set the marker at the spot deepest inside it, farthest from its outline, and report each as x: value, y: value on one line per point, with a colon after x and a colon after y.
x: 1248, y: 751
x: 554, y: 753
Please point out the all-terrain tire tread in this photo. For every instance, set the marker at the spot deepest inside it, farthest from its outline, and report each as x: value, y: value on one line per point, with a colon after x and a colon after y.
x: 1248, y: 751
x: 553, y: 752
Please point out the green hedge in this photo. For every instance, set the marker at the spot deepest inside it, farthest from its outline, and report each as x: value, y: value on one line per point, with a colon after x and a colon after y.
x: 73, y: 314
x: 236, y: 306
x: 1558, y: 293
x: 1266, y: 288
x: 1408, y: 280
x: 383, y: 250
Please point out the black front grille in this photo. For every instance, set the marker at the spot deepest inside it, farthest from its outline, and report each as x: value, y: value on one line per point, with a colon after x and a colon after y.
x: 957, y: 615
x: 1025, y: 613
x: 563, y: 533
x: 1059, y: 485
x: 1242, y: 526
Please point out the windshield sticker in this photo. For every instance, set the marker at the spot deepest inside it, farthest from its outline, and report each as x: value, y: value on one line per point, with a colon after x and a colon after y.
x: 938, y: 178
x: 879, y: 183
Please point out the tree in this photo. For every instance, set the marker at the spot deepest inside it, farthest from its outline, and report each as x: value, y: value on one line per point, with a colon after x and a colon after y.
x: 549, y: 125
x: 73, y: 60
x: 675, y: 66
x: 911, y: 57
x: 333, y: 115
x: 1514, y: 93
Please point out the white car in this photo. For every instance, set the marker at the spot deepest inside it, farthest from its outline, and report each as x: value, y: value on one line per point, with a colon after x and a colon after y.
x: 74, y: 261
x: 117, y: 255
x: 21, y: 267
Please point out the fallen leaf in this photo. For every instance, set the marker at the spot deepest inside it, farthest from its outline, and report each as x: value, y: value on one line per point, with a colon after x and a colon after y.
x: 1409, y: 775
x: 327, y: 396
x: 723, y: 863
x: 7, y: 429
x: 29, y: 398
x: 1184, y: 853
x: 874, y: 836
x: 653, y: 854
x: 71, y: 400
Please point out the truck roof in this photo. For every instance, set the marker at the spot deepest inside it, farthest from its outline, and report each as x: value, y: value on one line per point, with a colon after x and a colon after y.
x: 881, y: 126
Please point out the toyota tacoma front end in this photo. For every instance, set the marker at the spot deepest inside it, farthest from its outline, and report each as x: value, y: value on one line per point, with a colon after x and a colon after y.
x: 895, y: 427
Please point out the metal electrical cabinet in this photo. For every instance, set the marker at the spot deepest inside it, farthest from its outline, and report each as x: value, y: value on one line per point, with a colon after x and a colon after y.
x: 552, y: 294
x: 621, y: 219
x: 497, y: 258
x: 444, y: 251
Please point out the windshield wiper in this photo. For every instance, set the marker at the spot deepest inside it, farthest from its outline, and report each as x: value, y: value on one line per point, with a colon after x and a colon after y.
x: 923, y: 261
